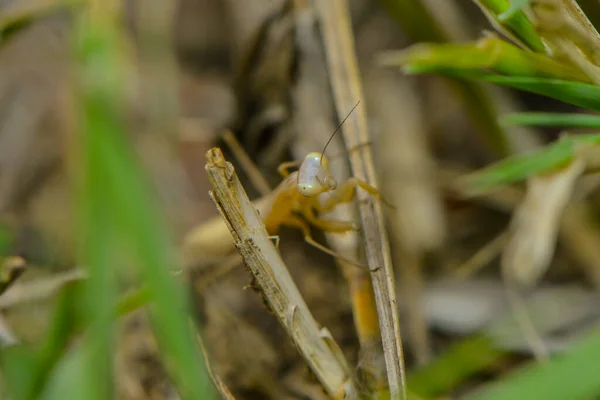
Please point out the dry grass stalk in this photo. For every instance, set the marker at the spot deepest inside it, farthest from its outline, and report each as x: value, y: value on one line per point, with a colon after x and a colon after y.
x: 407, y: 172
x: 217, y: 381
x: 347, y: 90
x: 264, y: 261
x: 313, y: 121
x: 577, y: 233
x: 254, y: 174
x: 241, y: 354
x: 532, y: 336
x: 482, y: 257
x: 569, y: 34
x: 535, y: 225
x: 26, y: 292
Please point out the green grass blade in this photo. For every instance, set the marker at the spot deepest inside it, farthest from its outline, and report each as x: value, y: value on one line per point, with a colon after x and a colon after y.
x: 170, y: 304
x: 122, y: 199
x: 576, y: 93
x: 518, y: 168
x: 100, y: 97
x: 521, y: 167
x: 27, y: 368
x: 572, y: 375
x: 508, y: 17
x: 6, y: 238
x: 419, y: 25
x: 69, y: 380
x: 514, y: 8
x: 490, y: 55
x: 454, y: 366
x: 579, y: 94
x: 568, y: 120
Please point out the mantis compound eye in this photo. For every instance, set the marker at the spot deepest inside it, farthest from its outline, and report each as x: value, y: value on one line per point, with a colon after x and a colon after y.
x: 310, y: 190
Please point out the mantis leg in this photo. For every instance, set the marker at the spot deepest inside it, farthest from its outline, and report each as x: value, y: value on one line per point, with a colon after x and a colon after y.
x: 295, y: 222
x: 344, y: 194
x: 285, y: 166
x: 327, y: 225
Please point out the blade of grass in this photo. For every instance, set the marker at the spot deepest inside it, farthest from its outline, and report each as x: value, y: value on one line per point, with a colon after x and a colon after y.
x: 509, y: 19
x: 514, y: 7
x: 579, y: 94
x: 552, y: 119
x: 518, y: 168
x: 572, y: 375
x: 456, y: 364
x: 419, y: 25
x: 576, y: 93
x: 489, y: 54
x: 521, y: 167
x: 27, y: 369
x: 121, y: 188
x: 69, y: 379
x: 100, y: 99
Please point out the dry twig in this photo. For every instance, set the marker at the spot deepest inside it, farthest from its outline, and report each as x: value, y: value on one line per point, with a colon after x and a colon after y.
x: 313, y: 112
x: 264, y: 261
x: 347, y: 90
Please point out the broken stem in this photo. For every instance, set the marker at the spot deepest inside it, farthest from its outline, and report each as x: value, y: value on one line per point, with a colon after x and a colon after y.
x: 347, y: 90
x: 273, y: 278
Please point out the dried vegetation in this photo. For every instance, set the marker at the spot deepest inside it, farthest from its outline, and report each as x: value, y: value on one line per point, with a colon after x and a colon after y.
x: 456, y: 276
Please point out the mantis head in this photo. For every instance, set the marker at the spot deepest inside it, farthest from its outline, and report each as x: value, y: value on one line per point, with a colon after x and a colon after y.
x: 314, y: 177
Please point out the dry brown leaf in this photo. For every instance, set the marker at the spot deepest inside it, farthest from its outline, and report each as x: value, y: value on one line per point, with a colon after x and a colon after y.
x: 535, y: 224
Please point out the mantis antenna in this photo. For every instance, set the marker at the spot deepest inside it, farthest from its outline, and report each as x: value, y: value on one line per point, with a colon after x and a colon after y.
x: 335, y: 131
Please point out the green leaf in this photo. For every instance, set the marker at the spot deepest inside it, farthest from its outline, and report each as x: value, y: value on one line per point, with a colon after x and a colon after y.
x: 120, y: 203
x: 100, y: 93
x: 20, y: 372
x: 510, y: 20
x: 6, y: 238
x: 28, y: 368
x: 69, y: 379
x: 576, y: 93
x: 552, y: 119
x: 515, y: 7
x: 579, y: 94
x: 521, y: 167
x: 571, y: 375
x: 420, y: 25
x: 488, y: 55
x: 454, y: 366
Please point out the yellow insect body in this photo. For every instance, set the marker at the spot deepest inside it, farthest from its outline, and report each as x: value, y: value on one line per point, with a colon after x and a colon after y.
x: 294, y: 203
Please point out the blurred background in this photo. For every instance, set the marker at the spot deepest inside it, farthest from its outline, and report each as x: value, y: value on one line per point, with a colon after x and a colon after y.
x: 252, y: 78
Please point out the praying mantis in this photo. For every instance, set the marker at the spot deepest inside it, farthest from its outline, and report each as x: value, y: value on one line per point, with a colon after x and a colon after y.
x: 294, y: 203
